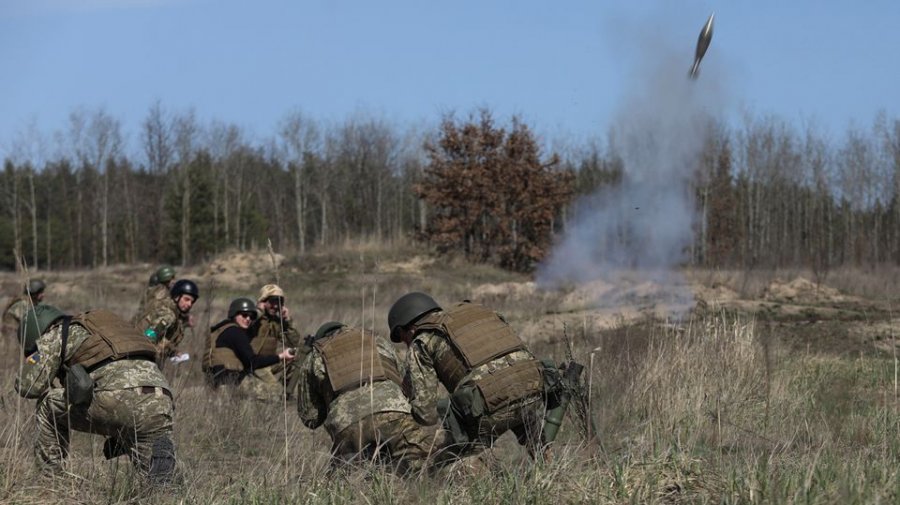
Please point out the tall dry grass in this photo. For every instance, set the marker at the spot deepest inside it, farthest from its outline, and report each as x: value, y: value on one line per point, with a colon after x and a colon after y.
x: 717, y: 407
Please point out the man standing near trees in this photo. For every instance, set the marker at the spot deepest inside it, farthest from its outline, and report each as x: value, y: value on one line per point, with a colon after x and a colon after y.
x: 15, y: 310
x: 164, y: 320
x: 494, y: 381
x: 273, y: 330
x: 157, y: 289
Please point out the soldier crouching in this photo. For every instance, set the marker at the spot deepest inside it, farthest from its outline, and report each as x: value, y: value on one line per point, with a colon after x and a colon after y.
x: 495, y: 383
x: 351, y: 383
x: 111, y: 386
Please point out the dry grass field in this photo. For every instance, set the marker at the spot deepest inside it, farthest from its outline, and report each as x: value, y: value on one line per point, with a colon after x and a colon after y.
x: 715, y: 387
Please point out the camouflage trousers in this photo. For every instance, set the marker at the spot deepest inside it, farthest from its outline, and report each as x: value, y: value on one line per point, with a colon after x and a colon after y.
x: 524, y: 418
x: 131, y: 419
x: 389, y: 437
x: 263, y: 386
x: 279, y: 378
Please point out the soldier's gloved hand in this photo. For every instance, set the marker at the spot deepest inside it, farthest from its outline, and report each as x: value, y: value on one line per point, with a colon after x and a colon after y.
x: 285, y: 314
x: 190, y: 321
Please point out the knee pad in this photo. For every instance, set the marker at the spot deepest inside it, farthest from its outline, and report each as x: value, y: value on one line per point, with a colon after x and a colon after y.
x: 162, y: 461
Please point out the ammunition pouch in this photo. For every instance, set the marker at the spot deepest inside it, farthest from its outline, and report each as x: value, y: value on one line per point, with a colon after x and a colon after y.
x: 511, y: 384
x: 451, y: 422
x: 78, y: 382
x: 467, y: 402
x: 79, y: 386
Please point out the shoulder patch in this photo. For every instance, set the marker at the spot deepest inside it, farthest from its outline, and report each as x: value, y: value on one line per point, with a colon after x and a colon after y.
x: 34, y: 358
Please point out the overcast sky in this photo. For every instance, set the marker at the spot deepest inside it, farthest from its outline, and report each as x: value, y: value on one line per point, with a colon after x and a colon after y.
x: 564, y: 66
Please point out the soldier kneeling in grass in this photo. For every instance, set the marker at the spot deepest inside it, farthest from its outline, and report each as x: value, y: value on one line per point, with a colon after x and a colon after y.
x: 494, y: 382
x: 230, y: 359
x: 350, y: 382
x: 108, y: 385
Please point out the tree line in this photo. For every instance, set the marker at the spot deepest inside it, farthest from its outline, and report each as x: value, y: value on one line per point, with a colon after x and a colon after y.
x: 767, y: 193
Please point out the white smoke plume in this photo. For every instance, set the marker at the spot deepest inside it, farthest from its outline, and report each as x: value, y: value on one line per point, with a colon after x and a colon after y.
x: 643, y: 228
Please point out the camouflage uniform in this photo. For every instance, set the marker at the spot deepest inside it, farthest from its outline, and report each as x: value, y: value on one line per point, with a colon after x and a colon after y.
x: 523, y: 415
x: 363, y: 419
x: 163, y: 317
x: 12, y: 316
x: 266, y: 338
x: 153, y: 294
x: 131, y: 405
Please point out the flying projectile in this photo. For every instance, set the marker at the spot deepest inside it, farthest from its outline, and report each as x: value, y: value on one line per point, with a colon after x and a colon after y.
x: 702, y: 45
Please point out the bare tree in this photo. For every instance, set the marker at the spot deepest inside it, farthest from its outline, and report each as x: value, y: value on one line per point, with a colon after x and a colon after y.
x: 30, y: 149
x: 300, y: 139
x: 156, y: 137
x: 225, y: 140
x: 186, y: 132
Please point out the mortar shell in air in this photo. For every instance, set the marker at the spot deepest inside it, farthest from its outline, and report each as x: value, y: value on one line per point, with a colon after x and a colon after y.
x: 702, y: 45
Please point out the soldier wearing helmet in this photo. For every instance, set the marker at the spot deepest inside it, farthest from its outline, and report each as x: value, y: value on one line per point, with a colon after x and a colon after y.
x: 274, y: 329
x: 495, y: 383
x: 109, y: 385
x: 158, y: 288
x: 15, y: 310
x: 231, y: 360
x: 351, y: 384
x: 164, y: 320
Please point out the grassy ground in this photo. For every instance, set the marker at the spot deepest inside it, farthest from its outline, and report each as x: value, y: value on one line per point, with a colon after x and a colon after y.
x: 729, y: 404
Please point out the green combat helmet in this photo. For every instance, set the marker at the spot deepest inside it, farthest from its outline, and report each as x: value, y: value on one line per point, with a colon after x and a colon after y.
x: 164, y: 274
x: 34, y: 324
x: 407, y: 309
x: 328, y: 328
x: 239, y: 305
x: 35, y: 287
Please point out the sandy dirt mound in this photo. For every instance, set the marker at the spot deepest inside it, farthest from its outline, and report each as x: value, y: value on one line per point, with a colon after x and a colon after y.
x: 415, y: 266
x: 241, y: 268
x: 627, y: 295
x: 485, y: 293
x: 551, y: 327
x: 717, y: 294
x: 801, y: 291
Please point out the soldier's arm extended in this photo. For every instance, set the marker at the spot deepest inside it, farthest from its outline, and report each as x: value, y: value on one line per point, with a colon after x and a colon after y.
x: 422, y: 382
x: 42, y: 366
x: 311, y: 405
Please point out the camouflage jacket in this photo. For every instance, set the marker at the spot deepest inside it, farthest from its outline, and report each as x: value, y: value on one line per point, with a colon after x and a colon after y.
x: 157, y: 292
x: 422, y: 381
x: 349, y: 407
x: 266, y: 335
x: 163, y: 317
x: 40, y: 368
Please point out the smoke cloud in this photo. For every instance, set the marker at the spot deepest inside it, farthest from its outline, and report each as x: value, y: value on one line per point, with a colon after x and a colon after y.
x: 644, y: 226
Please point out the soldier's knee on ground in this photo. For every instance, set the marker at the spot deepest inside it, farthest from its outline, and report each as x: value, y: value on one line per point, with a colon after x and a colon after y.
x: 162, y: 462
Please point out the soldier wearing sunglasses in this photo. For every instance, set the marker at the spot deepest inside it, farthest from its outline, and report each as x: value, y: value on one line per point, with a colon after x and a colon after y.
x: 231, y: 360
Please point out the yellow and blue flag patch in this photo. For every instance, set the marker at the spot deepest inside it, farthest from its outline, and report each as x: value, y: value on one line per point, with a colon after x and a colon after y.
x: 34, y: 359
